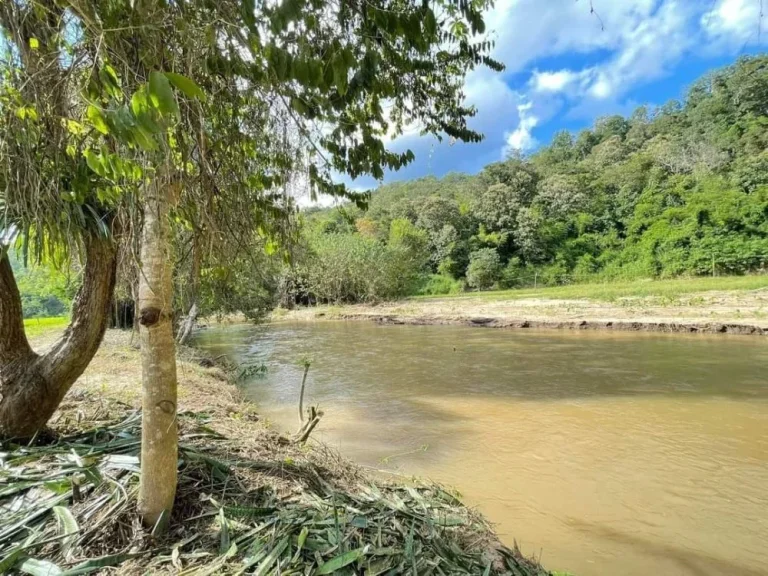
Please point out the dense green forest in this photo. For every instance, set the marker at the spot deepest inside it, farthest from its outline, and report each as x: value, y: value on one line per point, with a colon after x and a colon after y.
x: 677, y: 190
x: 45, y: 290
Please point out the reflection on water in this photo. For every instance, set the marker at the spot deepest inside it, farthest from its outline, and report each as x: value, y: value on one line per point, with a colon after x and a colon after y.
x: 611, y: 453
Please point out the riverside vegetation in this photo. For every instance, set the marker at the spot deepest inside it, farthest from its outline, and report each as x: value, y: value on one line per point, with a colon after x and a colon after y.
x: 147, y: 151
x: 679, y: 191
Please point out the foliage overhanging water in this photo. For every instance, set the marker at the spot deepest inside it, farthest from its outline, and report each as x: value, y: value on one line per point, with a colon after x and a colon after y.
x: 611, y: 453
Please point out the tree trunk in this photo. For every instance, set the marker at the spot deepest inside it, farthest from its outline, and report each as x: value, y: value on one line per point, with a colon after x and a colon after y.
x: 187, y: 325
x: 159, y: 450
x: 33, y: 385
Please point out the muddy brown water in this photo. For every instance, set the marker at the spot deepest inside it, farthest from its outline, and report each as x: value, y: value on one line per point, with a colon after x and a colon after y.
x: 605, y: 453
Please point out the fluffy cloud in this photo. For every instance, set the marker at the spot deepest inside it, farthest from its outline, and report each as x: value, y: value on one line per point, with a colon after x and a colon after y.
x: 520, y: 138
x: 651, y: 40
x: 565, y: 61
x: 623, y: 45
x: 734, y: 21
x: 553, y: 81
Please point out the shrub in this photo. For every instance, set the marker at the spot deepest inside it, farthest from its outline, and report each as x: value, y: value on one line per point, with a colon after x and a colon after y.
x: 353, y: 268
x: 439, y: 284
x: 484, y: 268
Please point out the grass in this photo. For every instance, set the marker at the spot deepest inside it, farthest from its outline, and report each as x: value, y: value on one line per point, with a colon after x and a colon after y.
x: 37, y: 326
x: 667, y: 289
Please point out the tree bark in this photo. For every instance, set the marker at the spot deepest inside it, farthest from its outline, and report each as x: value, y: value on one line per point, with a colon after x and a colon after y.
x: 159, y: 450
x: 32, y: 385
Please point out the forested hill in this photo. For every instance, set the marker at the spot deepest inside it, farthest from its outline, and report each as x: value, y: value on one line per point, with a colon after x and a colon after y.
x: 677, y: 190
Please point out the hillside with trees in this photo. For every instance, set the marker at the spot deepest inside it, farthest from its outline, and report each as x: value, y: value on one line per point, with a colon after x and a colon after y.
x: 678, y: 190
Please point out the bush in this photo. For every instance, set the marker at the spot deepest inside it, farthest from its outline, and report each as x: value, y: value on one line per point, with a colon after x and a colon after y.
x: 484, y: 268
x: 585, y: 268
x: 440, y: 284
x: 353, y: 268
x: 555, y: 274
x: 515, y: 274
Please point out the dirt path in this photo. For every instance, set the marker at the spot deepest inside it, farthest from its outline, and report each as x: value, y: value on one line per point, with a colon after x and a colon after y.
x: 733, y: 312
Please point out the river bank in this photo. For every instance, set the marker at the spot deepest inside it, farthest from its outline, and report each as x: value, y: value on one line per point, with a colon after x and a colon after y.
x: 710, y: 311
x: 248, y: 498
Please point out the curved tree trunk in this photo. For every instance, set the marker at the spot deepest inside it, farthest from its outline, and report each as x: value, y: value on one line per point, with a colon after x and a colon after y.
x: 32, y: 385
x: 158, y: 360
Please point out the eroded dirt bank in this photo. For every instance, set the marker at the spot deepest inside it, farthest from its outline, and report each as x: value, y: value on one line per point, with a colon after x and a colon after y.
x: 732, y: 312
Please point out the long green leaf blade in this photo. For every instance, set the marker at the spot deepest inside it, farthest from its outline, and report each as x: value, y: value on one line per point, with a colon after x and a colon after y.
x: 67, y: 526
x: 340, y: 561
x: 186, y: 85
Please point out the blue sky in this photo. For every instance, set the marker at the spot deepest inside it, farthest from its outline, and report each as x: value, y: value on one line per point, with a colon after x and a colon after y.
x: 566, y: 67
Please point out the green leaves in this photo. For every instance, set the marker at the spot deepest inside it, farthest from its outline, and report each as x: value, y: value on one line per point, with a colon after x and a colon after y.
x: 161, y: 96
x: 110, y: 82
x: 340, y: 561
x: 186, y: 85
x: 97, y: 119
x: 95, y: 162
x: 152, y: 108
x: 67, y: 526
x: 340, y: 76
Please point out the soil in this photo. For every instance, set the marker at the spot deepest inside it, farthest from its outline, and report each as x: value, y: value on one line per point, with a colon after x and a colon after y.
x: 736, y: 312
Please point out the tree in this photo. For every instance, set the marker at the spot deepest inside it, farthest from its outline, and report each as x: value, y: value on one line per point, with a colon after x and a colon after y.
x: 158, y: 358
x: 484, y: 268
x: 658, y: 194
x: 132, y: 126
x: 53, y: 206
x: 512, y: 185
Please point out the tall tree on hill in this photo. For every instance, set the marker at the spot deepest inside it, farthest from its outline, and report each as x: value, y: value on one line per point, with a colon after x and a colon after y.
x: 200, y: 114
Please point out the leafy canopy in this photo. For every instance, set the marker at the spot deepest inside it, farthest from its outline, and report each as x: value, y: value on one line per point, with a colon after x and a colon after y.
x: 236, y: 101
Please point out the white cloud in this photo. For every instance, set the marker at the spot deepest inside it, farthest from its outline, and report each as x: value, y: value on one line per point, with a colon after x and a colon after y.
x: 528, y: 30
x: 653, y: 38
x: 553, y: 81
x: 521, y: 138
x: 601, y: 58
x: 734, y: 21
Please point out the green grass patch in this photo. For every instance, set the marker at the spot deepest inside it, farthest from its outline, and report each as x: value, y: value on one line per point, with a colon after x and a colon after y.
x: 610, y: 291
x: 37, y: 326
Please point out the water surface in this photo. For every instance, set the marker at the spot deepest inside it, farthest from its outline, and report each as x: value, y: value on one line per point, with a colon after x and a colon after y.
x: 608, y: 453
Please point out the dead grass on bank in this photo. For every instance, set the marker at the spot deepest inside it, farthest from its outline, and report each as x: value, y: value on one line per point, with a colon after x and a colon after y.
x: 249, y: 500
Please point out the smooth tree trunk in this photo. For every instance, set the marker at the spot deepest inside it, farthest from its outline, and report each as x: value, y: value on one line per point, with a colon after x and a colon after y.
x: 33, y: 385
x: 159, y: 450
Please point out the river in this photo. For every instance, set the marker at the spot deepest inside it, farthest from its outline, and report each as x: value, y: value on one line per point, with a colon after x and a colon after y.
x: 606, y: 453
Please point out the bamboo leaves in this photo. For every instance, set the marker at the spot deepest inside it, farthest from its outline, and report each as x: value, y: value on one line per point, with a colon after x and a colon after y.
x: 37, y: 567
x: 340, y: 561
x: 67, y: 526
x: 186, y: 85
x: 317, y: 531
